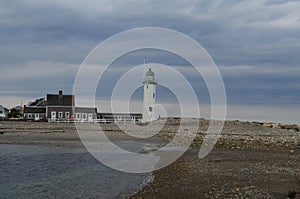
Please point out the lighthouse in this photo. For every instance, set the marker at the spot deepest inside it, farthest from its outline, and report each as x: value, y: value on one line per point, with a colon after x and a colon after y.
x: 149, y: 96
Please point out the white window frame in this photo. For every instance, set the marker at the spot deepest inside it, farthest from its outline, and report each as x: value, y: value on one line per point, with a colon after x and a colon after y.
x: 60, y: 114
x: 90, y: 117
x: 53, y: 115
x: 67, y: 115
x: 84, y: 116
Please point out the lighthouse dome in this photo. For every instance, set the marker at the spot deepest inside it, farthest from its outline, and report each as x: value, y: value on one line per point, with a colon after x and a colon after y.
x: 149, y: 78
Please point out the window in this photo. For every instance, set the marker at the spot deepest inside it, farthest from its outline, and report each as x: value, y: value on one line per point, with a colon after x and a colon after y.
x: 67, y: 115
x: 84, y: 116
x: 53, y: 114
x: 1, y: 112
x: 150, y: 109
x: 29, y: 116
x: 147, y: 86
x: 153, y: 95
x: 60, y: 114
x: 78, y: 116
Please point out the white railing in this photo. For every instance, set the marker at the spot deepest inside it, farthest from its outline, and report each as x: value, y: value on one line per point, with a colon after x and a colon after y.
x: 58, y: 120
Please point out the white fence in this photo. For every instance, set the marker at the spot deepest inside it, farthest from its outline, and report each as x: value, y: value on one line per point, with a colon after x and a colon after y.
x: 94, y: 120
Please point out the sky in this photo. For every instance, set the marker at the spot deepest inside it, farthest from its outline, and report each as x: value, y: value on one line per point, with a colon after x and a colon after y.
x: 255, y: 45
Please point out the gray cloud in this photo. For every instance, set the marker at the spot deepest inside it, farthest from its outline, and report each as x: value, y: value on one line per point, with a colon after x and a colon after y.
x: 256, y: 44
x: 234, y: 32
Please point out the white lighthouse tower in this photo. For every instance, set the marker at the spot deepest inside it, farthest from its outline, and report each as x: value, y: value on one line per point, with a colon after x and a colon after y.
x: 149, y: 97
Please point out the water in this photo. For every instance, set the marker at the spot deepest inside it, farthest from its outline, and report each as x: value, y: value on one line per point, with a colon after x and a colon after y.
x: 60, y: 172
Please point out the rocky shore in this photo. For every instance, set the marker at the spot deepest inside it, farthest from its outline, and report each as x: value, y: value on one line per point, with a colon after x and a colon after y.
x: 250, y: 159
x: 228, y: 173
x: 241, y: 135
x: 235, y: 134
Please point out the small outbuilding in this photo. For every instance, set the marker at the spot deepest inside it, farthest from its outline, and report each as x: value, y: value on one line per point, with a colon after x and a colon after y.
x: 34, y: 113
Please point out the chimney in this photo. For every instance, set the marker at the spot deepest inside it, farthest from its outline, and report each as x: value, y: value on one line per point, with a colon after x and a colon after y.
x: 60, y: 97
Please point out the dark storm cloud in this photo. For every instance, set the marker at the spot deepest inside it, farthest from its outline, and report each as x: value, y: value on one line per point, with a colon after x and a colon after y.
x: 255, y: 43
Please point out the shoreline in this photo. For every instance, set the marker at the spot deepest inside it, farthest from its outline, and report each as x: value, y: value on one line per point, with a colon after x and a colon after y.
x: 255, y: 152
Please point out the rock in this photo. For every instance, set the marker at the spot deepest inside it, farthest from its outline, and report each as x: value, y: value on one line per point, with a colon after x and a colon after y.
x: 292, y: 194
x: 266, y: 124
x: 275, y: 125
x: 281, y: 126
x: 290, y: 127
x: 147, y: 148
x: 292, y: 151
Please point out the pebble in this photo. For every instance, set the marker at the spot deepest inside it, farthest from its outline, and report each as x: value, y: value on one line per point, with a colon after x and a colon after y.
x: 292, y: 151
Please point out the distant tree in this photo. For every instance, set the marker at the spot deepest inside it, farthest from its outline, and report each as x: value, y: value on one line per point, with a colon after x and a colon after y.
x: 40, y: 101
x: 14, y: 113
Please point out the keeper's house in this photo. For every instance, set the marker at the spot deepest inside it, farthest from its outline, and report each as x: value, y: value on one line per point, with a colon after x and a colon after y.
x: 58, y: 107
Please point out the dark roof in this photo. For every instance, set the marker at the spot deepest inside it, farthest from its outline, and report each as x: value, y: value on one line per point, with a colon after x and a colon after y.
x: 60, y: 100
x: 34, y: 109
x: 85, y: 110
x: 3, y: 108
